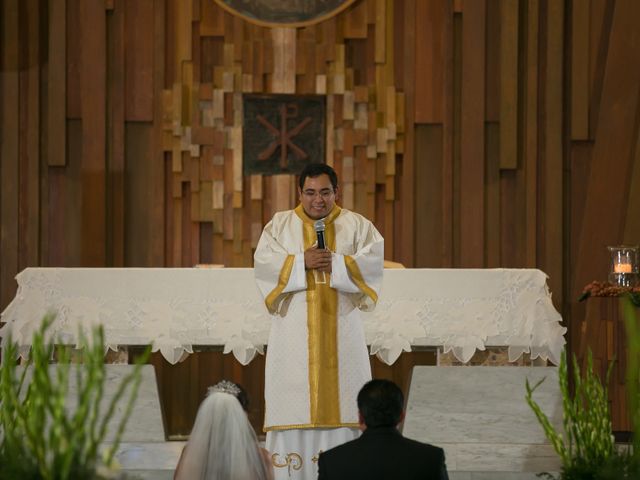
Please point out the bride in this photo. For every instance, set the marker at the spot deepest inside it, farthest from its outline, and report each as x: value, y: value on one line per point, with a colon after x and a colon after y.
x: 223, y: 444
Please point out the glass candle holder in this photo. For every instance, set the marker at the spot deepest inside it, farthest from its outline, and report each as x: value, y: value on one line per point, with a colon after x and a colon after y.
x: 624, y: 265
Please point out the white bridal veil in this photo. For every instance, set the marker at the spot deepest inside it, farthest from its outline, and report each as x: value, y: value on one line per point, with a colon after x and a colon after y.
x: 222, y: 444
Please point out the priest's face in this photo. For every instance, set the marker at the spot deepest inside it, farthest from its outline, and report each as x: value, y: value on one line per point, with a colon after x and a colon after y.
x: 318, y: 196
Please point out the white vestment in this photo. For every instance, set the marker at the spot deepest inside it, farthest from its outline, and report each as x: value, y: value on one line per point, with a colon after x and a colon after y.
x: 317, y: 357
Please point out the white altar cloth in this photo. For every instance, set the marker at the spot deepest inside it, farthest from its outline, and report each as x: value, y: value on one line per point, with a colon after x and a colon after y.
x: 176, y: 308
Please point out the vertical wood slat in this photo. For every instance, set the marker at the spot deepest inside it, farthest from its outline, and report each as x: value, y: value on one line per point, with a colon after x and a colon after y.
x: 156, y: 179
x: 632, y: 223
x: 356, y: 21
x: 284, y: 51
x: 428, y: 198
x: 57, y: 82
x: 508, y: 220
x: 380, y: 26
x: 600, y: 26
x: 139, y: 163
x: 73, y: 54
x: 389, y: 52
x: 509, y: 83
x: 93, y: 92
x: 453, y: 167
x: 185, y: 227
x: 530, y: 140
x: 30, y: 149
x: 428, y: 44
x: 116, y: 163
x: 182, y: 21
x: 472, y: 171
x: 139, y: 21
x: 493, y: 196
x: 211, y: 19
x: 9, y: 148
x: 448, y: 138
x: 493, y: 49
x: 553, y: 164
x: 63, y: 207
x: 580, y: 70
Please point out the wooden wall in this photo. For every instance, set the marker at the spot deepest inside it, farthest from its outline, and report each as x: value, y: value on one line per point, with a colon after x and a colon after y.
x: 474, y: 133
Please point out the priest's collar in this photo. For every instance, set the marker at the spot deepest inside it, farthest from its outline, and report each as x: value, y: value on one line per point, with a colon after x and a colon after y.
x: 333, y: 214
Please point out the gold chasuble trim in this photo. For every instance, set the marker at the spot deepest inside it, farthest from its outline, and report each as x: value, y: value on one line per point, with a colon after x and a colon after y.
x: 283, y: 279
x: 322, y: 324
x: 358, y: 279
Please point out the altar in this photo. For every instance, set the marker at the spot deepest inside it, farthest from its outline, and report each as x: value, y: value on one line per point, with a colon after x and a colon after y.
x: 178, y: 309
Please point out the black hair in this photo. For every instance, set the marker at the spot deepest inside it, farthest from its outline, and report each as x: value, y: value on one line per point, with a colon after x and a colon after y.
x: 243, y: 398
x: 315, y: 170
x: 380, y: 403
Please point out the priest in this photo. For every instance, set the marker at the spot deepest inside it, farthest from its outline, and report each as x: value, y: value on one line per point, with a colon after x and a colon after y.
x: 317, y: 267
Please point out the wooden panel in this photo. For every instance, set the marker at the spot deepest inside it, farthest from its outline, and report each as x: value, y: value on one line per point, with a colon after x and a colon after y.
x: 509, y: 83
x: 63, y: 209
x: 450, y: 93
x: 493, y: 217
x: 284, y: 51
x: 139, y: 224
x: 356, y: 21
x: 430, y: 18
x: 551, y: 262
x: 616, y: 131
x: 9, y: 148
x: 116, y: 134
x: 509, y: 248
x: 454, y: 165
x: 139, y: 20
x: 603, y: 333
x: 580, y: 70
x: 74, y: 60
x: 93, y: 88
x: 601, y: 17
x: 29, y: 170
x: 156, y: 180
x: 493, y: 52
x: 530, y: 157
x: 191, y: 378
x: 57, y: 93
x: 211, y: 19
x: 472, y: 175
x: 428, y: 198
x: 632, y: 222
x: 380, y: 39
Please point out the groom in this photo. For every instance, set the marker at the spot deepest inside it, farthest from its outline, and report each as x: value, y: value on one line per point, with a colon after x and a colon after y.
x: 382, y: 452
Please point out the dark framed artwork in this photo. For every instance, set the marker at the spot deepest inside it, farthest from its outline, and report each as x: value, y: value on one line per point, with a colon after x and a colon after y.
x: 282, y: 133
x: 284, y: 13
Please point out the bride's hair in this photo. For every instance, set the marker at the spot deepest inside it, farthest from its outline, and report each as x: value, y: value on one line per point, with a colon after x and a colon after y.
x: 222, y: 444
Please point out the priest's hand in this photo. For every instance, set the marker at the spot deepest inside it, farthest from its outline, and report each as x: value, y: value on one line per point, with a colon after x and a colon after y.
x: 319, y: 259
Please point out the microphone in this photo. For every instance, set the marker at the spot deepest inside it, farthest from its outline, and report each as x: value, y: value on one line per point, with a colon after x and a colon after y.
x: 319, y: 228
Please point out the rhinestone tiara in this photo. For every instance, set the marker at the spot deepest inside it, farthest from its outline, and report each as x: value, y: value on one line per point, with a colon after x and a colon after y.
x: 224, y: 386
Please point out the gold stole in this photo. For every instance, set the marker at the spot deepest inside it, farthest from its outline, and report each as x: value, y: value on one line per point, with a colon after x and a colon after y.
x: 322, y: 323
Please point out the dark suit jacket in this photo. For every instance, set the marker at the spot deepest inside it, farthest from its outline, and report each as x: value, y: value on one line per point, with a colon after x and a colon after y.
x: 382, y: 453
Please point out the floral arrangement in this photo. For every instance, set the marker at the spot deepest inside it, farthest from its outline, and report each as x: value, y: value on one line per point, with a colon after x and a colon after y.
x: 586, y: 446
x: 606, y: 289
x: 39, y: 437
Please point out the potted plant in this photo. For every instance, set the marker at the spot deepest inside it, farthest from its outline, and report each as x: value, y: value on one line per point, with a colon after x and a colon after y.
x: 586, y: 445
x: 39, y: 437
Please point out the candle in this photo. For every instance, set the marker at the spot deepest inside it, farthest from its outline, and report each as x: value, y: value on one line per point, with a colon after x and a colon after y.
x: 622, y: 268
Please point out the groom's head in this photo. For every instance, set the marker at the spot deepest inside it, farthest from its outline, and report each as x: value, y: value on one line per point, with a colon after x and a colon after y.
x: 380, y: 404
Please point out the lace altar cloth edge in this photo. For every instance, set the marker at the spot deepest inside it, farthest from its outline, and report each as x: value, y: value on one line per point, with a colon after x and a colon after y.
x: 462, y: 310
